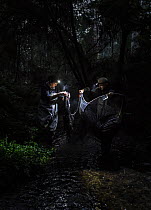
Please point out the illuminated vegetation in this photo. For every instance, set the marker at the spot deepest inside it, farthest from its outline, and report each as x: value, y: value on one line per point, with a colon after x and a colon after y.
x: 127, y: 189
x: 28, y: 155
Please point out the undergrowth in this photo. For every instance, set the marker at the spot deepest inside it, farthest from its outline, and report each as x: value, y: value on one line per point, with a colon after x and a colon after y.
x: 25, y: 156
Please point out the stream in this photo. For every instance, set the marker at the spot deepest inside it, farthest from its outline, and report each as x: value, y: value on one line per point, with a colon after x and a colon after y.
x: 74, y: 180
x: 61, y: 186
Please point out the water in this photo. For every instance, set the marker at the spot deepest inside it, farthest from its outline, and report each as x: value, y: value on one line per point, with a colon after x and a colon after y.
x: 61, y: 186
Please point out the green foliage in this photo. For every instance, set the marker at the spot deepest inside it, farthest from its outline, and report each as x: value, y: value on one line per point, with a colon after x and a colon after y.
x: 24, y: 155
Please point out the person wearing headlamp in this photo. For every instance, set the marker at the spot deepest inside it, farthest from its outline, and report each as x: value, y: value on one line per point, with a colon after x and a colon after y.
x: 102, y: 88
x: 48, y: 107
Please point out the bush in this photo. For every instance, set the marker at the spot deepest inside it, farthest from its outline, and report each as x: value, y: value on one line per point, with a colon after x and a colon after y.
x: 28, y: 154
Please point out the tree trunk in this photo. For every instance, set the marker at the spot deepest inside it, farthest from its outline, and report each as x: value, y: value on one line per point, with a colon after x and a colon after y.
x: 78, y: 48
x: 121, y: 61
x: 18, y: 59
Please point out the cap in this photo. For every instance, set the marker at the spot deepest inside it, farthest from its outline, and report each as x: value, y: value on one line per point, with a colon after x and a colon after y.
x: 102, y: 80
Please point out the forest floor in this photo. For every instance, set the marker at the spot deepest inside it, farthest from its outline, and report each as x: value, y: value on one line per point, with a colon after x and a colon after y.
x: 75, y: 180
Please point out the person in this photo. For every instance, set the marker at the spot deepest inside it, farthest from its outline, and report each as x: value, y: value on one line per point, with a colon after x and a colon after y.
x: 103, y: 88
x: 48, y: 108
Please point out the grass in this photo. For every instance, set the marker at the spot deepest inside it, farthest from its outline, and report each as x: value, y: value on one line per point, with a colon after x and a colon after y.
x: 24, y: 156
x: 21, y: 162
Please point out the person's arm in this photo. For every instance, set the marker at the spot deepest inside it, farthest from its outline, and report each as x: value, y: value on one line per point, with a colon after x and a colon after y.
x: 56, y: 95
x: 87, y: 93
x: 83, y: 90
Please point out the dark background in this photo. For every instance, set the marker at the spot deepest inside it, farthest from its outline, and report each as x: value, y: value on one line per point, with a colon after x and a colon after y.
x: 77, y: 41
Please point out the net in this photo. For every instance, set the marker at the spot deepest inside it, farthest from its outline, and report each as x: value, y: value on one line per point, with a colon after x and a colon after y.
x: 104, y: 112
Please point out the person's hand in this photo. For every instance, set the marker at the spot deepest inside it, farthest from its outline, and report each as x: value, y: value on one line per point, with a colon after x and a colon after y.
x: 110, y: 93
x: 81, y: 91
x: 63, y: 93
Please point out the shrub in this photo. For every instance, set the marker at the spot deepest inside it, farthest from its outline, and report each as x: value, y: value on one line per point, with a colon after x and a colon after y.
x: 24, y: 155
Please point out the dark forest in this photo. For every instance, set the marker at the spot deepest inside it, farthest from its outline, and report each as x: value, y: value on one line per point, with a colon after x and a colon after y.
x: 62, y: 146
